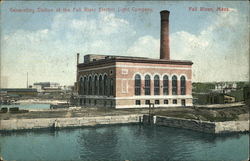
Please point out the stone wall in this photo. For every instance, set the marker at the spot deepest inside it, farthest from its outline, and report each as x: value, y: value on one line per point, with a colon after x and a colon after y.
x: 197, y: 125
x: 231, y: 126
x: 21, y: 124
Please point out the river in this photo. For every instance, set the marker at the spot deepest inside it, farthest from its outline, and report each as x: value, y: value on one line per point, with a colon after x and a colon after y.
x: 122, y: 142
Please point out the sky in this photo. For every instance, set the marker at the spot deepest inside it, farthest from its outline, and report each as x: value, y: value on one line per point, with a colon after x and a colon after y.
x: 43, y: 39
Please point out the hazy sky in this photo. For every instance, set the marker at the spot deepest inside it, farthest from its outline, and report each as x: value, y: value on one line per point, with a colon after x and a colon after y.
x: 45, y: 44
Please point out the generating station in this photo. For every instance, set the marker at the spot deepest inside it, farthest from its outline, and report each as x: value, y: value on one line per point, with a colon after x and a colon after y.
x: 135, y: 82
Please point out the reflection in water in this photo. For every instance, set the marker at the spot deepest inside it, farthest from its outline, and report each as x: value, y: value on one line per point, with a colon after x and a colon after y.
x: 99, y: 143
x: 122, y: 142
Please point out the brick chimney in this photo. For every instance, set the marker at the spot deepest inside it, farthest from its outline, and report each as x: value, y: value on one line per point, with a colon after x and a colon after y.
x: 77, y: 58
x: 164, y: 48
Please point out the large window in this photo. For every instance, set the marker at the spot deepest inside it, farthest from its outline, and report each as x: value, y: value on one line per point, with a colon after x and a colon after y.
x: 183, y: 85
x: 96, y: 86
x: 85, y: 86
x: 90, y: 86
x: 105, y: 85
x: 165, y: 85
x: 174, y: 85
x: 156, y: 85
x: 147, y: 85
x: 111, y: 87
x: 100, y: 85
x: 137, y: 84
x: 81, y: 85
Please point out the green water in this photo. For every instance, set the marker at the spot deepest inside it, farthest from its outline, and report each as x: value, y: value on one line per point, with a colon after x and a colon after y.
x: 122, y: 142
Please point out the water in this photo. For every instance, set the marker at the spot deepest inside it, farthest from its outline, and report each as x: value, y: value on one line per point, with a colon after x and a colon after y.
x: 28, y: 106
x: 122, y: 142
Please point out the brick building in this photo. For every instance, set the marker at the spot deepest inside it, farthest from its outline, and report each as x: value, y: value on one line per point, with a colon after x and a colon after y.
x: 134, y: 82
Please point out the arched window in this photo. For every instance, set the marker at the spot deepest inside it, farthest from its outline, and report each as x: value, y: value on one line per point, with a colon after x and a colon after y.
x: 80, y: 86
x: 105, y: 85
x: 85, y: 86
x: 137, y: 84
x: 183, y: 85
x: 96, y: 86
x: 156, y: 85
x: 165, y: 85
x: 90, y: 86
x: 100, y: 85
x: 111, y: 87
x: 147, y: 85
x: 174, y: 85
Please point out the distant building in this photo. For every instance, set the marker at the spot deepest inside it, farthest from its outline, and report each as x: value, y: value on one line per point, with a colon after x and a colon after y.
x: 135, y: 82
x: 225, y: 87
x: 213, y: 98
x: 40, y: 86
x: 21, y: 92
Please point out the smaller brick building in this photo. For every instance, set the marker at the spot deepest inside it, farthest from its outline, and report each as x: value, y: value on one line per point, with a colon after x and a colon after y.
x: 135, y: 82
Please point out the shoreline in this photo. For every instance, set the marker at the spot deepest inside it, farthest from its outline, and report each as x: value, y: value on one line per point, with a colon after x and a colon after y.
x: 189, y: 124
x: 40, y: 101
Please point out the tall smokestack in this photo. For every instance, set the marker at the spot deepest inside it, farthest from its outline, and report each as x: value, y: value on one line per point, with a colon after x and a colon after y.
x: 77, y: 58
x: 164, y: 48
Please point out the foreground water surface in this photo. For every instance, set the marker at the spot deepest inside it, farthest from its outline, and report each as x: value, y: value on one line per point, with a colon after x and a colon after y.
x: 122, y: 142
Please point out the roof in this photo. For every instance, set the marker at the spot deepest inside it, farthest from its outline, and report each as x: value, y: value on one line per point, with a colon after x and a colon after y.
x: 112, y: 58
x: 45, y: 83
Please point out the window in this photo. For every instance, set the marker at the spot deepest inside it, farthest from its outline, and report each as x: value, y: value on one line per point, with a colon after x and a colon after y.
x: 105, y: 85
x: 90, y: 86
x: 174, y: 101
x: 147, y: 102
x: 84, y: 101
x: 95, y: 102
x: 137, y: 84
x: 183, y: 85
x: 183, y: 102
x: 137, y: 102
x: 100, y: 85
x: 95, y: 85
x: 174, y: 85
x: 147, y: 85
x: 165, y: 101
x: 89, y: 101
x: 81, y: 85
x: 156, y: 85
x: 85, y: 86
x: 157, y: 102
x: 165, y: 85
x: 111, y: 87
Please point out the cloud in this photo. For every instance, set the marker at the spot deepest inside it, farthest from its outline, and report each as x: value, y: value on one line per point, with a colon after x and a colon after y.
x: 49, y: 54
x: 219, y: 52
x: 145, y: 46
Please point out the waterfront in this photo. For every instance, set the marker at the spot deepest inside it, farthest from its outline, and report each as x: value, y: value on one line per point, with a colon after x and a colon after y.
x: 122, y: 142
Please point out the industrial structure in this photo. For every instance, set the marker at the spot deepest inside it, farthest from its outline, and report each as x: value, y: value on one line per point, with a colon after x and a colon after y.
x: 135, y: 82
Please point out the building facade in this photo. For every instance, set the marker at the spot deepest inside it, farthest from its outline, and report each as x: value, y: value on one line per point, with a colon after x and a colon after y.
x: 135, y: 82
